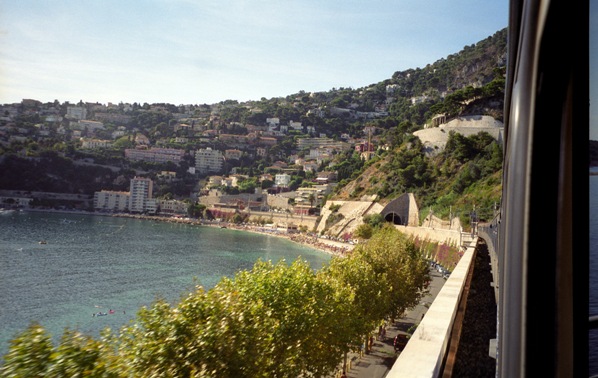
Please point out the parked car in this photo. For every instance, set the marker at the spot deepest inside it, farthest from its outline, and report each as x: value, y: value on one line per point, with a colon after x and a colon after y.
x: 400, y: 342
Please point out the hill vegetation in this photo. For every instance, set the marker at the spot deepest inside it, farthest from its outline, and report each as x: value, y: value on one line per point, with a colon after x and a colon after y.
x: 465, y: 175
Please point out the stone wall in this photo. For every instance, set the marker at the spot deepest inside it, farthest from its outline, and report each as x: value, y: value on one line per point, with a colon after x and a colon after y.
x: 450, y: 237
x: 285, y: 219
x: 434, y: 139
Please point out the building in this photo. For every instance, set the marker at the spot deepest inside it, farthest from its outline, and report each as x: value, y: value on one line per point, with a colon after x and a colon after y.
x: 208, y: 160
x: 76, y: 112
x: 172, y: 206
x: 273, y: 123
x: 140, y: 194
x: 90, y: 126
x: 95, y: 143
x: 233, y: 154
x: 303, y: 143
x: 282, y: 179
x: 155, y: 155
x: 108, y: 200
x: 261, y: 151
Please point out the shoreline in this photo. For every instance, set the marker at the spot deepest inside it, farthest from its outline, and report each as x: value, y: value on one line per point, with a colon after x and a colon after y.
x: 332, y: 247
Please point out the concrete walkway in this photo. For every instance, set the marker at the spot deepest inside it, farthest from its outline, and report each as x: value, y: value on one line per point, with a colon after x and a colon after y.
x: 379, y: 362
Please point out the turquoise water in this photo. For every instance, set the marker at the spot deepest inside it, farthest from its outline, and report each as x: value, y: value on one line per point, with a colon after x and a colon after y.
x: 97, y: 263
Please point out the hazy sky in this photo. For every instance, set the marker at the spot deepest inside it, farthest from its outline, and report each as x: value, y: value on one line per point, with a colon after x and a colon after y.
x: 195, y: 52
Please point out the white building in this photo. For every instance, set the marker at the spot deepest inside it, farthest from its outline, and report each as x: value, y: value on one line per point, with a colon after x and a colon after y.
x: 90, y: 126
x: 95, y: 143
x: 111, y: 200
x: 172, y: 206
x: 140, y: 194
x: 273, y: 123
x: 282, y: 179
x: 295, y: 125
x: 208, y: 160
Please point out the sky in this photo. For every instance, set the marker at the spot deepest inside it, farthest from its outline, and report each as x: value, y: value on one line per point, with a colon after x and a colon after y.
x: 204, y: 52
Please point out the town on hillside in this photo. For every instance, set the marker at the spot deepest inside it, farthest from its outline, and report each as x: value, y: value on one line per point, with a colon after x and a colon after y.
x: 278, y: 161
x: 214, y: 152
x: 243, y: 177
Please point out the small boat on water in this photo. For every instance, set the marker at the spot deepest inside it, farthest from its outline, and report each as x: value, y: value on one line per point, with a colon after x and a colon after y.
x: 43, y: 242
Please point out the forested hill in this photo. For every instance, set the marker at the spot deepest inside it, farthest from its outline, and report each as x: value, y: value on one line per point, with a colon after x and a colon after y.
x: 468, y: 173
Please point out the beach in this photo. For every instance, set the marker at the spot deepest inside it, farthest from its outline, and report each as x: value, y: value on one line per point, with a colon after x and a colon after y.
x: 334, y: 247
x: 323, y: 244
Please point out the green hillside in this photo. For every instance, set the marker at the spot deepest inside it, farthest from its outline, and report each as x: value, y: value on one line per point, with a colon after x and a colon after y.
x: 37, y: 154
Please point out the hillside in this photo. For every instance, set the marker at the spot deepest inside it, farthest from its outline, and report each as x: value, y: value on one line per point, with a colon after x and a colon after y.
x: 81, y: 148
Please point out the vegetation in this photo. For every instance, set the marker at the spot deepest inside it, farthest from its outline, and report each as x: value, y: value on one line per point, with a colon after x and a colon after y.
x: 468, y: 82
x: 276, y: 320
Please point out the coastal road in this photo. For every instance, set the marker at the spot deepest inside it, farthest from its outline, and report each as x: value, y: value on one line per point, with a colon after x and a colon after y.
x: 378, y: 363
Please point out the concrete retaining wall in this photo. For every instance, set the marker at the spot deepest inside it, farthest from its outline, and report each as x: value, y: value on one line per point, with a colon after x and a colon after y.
x: 450, y: 237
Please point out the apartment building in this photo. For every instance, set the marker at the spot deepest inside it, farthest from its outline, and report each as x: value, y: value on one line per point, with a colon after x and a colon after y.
x: 140, y: 194
x: 208, y: 160
x: 108, y: 200
x: 155, y: 155
x: 76, y: 112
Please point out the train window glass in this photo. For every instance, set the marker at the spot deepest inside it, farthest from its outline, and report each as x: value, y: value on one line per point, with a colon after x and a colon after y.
x: 593, y: 182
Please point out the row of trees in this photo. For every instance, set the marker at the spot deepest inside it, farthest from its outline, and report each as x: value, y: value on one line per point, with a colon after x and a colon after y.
x: 276, y: 320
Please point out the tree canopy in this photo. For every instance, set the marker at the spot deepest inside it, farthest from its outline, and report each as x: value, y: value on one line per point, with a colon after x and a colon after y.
x: 276, y: 320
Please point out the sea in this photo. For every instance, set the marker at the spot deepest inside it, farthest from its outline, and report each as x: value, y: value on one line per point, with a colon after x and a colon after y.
x: 59, y: 270
x: 593, y: 281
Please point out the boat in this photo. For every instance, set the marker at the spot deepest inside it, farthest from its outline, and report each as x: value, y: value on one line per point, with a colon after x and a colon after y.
x: 43, y: 242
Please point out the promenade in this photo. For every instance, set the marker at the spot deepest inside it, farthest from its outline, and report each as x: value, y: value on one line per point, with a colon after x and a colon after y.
x: 378, y: 363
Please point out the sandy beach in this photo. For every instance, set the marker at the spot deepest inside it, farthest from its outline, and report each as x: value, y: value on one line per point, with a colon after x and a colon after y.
x: 334, y: 247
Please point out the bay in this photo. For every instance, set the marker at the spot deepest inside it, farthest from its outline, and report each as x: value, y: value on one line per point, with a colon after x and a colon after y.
x: 92, y: 264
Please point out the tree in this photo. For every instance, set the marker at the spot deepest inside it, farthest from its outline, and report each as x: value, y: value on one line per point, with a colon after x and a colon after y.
x: 196, y: 210
x: 305, y: 315
x: 29, y: 355
x: 77, y: 355
x: 364, y: 231
x: 388, y: 274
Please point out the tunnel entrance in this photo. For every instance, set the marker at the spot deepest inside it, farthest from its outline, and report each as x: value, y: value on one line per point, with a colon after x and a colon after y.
x: 393, y: 217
